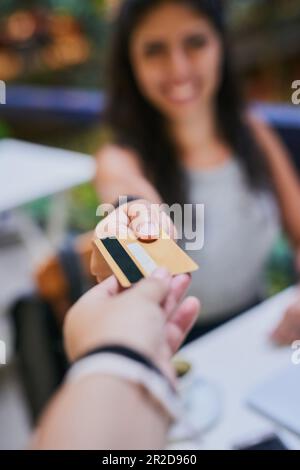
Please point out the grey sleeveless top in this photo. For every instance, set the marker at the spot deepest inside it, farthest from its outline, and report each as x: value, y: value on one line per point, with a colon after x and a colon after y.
x: 240, y: 229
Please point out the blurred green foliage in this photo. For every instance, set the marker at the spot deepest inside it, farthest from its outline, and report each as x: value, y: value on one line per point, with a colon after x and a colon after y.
x: 5, y: 130
x: 281, y: 272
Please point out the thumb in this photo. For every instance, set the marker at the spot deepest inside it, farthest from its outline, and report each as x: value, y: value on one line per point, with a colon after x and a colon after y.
x: 110, y: 287
x: 156, y: 287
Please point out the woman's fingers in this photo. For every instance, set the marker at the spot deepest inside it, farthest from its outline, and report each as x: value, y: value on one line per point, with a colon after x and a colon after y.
x: 147, y: 220
x: 155, y: 288
x: 167, y: 226
x: 106, y: 289
x: 137, y: 220
x: 285, y: 334
x: 111, y: 287
x: 178, y: 289
x: 144, y: 219
x: 282, y: 336
x: 182, y: 322
x: 116, y: 224
x: 288, y: 329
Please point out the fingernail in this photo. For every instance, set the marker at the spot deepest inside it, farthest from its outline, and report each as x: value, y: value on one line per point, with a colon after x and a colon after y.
x: 148, y: 230
x: 160, y: 273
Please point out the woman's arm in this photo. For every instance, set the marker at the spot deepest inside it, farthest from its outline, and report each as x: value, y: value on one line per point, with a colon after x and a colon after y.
x: 119, y: 173
x: 96, y: 413
x: 286, y: 180
x: 100, y: 410
x: 287, y: 185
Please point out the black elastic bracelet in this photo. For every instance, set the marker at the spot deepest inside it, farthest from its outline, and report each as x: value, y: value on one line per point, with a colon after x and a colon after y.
x: 117, y: 204
x: 124, y: 351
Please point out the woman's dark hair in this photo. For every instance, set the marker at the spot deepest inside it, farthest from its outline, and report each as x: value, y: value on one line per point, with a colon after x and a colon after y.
x: 136, y: 124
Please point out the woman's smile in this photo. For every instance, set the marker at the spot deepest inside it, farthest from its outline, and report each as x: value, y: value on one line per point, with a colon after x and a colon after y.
x: 181, y: 93
x: 177, y: 58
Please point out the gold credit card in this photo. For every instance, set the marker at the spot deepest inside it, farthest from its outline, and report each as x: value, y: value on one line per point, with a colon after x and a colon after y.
x: 130, y: 260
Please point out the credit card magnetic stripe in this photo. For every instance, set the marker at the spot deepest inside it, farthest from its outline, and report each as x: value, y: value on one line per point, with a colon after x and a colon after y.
x: 123, y: 260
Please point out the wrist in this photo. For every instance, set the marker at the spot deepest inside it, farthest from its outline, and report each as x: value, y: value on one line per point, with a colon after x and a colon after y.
x: 74, y: 354
x: 132, y: 366
x: 126, y: 199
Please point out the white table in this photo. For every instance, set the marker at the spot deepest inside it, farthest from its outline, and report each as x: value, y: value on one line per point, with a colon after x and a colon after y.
x: 237, y: 357
x: 30, y: 171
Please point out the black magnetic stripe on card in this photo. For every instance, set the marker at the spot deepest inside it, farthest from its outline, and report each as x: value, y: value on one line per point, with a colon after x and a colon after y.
x: 123, y: 260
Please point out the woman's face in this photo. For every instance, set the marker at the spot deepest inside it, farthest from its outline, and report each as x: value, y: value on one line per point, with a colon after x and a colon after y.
x: 176, y: 56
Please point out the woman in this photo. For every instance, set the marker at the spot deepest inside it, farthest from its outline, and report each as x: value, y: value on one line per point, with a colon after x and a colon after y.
x: 181, y: 134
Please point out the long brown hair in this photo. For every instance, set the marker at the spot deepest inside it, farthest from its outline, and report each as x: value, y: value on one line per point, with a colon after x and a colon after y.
x: 138, y: 125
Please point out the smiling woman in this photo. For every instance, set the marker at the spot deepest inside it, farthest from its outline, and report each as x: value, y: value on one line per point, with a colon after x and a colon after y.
x: 181, y: 134
x: 169, y: 64
x: 169, y: 49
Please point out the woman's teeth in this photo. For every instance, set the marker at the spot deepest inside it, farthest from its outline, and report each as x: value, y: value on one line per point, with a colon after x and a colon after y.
x: 181, y: 92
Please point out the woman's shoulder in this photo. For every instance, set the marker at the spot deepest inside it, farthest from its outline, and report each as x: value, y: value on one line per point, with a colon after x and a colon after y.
x: 265, y: 135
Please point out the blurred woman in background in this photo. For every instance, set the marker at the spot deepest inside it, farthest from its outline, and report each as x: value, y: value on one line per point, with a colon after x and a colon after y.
x: 181, y: 134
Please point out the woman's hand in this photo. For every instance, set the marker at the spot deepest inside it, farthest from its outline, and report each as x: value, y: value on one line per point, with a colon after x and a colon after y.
x: 150, y: 317
x: 139, y: 219
x: 288, y: 329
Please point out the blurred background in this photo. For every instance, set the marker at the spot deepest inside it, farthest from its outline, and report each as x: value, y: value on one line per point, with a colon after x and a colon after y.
x: 52, y: 56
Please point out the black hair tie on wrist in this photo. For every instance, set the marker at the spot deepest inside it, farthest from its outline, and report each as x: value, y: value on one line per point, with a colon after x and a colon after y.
x: 126, y: 352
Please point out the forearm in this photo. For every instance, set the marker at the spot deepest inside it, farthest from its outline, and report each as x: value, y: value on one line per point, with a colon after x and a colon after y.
x: 119, y: 172
x: 101, y: 412
x: 109, y: 190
